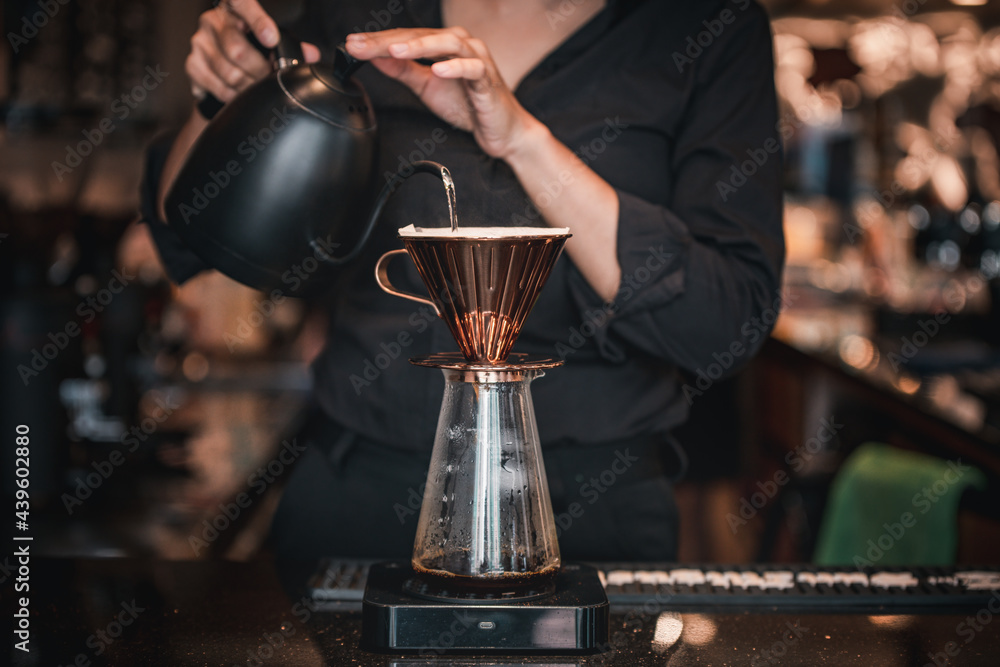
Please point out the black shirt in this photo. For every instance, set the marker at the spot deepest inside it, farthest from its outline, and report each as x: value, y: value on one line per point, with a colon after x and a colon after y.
x: 666, y: 101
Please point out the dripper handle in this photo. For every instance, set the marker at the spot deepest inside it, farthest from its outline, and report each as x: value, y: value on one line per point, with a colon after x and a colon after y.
x: 382, y: 278
x: 420, y: 166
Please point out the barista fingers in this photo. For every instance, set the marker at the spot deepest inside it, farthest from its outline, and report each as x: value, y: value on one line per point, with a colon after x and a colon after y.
x: 249, y: 148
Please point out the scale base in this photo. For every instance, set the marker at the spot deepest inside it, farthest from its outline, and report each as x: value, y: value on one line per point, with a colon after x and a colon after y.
x: 572, y: 620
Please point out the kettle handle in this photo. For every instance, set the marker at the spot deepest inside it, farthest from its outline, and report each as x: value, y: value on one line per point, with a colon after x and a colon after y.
x: 420, y: 166
x: 288, y: 52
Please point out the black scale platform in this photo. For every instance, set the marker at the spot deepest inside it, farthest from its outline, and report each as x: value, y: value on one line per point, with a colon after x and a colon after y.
x: 400, y: 614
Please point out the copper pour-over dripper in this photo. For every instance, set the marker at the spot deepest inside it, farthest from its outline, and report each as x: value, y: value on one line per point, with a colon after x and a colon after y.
x: 482, y: 283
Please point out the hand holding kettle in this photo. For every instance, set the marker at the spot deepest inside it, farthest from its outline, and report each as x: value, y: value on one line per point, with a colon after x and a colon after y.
x: 278, y: 190
x: 222, y: 60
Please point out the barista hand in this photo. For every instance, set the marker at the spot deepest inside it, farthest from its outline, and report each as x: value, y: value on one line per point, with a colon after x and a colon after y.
x: 222, y: 61
x: 464, y: 87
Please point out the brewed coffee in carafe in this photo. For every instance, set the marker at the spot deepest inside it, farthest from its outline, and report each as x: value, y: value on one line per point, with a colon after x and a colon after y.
x: 486, y: 519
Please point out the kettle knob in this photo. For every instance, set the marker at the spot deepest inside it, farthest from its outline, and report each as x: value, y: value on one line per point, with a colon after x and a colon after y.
x: 344, y: 64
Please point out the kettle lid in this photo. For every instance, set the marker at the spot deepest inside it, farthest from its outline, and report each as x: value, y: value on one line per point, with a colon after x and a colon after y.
x: 320, y: 90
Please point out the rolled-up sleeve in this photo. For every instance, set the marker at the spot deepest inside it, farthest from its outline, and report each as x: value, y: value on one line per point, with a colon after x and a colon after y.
x: 699, y: 273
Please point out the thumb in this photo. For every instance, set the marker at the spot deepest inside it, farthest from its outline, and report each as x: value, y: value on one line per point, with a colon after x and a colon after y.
x: 263, y: 26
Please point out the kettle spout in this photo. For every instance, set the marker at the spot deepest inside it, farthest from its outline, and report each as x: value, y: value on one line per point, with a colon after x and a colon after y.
x: 420, y: 166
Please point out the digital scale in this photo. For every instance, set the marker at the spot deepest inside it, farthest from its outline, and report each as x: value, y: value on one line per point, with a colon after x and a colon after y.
x: 397, y: 619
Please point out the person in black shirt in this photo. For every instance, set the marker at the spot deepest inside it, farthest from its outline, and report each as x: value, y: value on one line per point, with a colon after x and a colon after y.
x: 648, y: 128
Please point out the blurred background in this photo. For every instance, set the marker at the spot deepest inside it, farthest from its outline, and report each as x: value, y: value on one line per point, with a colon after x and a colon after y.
x: 153, y: 406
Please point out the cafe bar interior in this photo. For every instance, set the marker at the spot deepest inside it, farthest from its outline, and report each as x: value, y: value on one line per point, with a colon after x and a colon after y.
x: 508, y: 332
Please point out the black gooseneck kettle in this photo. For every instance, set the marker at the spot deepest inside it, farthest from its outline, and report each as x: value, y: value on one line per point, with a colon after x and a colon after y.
x: 281, y: 178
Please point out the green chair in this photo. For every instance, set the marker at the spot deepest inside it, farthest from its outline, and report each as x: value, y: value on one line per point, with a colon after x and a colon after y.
x: 889, y: 506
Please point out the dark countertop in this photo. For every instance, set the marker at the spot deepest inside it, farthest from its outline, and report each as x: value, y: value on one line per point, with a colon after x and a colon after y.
x: 227, y: 613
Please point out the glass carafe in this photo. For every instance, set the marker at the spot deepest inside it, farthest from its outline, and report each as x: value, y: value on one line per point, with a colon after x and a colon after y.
x: 486, y: 522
